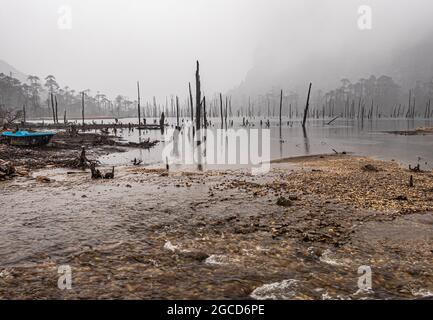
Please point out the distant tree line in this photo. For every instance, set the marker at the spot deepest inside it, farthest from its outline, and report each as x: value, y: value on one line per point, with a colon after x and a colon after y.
x: 372, y: 97
x: 35, y: 97
x: 378, y: 97
x: 366, y: 98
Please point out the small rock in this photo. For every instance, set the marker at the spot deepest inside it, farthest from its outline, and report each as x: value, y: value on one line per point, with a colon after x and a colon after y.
x: 283, y: 202
x: 194, y: 255
x: 370, y: 168
x: 43, y: 179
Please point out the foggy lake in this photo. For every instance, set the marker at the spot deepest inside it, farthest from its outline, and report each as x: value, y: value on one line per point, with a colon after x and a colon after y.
x: 367, y: 138
x: 216, y: 149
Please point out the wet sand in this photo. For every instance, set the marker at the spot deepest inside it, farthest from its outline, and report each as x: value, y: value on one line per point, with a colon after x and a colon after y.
x: 299, y: 232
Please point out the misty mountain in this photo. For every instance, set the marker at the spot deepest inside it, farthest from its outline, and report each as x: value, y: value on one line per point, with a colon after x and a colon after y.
x: 7, y: 69
x: 406, y: 66
x: 413, y: 64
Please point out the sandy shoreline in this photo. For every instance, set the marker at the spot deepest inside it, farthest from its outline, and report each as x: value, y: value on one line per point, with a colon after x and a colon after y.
x: 219, y: 234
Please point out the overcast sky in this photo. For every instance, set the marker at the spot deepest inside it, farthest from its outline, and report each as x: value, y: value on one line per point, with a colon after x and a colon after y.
x: 114, y: 43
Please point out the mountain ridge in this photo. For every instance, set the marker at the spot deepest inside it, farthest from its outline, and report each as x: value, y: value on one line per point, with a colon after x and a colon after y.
x: 8, y: 69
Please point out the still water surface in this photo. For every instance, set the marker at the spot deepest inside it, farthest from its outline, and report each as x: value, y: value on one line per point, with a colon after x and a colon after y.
x: 370, y: 138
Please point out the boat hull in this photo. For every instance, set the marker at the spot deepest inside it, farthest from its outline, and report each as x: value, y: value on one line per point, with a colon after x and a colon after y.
x: 26, y: 139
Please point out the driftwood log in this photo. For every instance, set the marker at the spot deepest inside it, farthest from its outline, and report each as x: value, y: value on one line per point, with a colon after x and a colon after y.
x: 7, y: 170
x: 136, y: 162
x: 146, y: 144
x: 417, y: 168
x: 96, y: 173
x: 82, y: 162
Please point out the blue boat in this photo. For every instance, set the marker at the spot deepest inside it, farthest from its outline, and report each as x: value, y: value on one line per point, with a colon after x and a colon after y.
x: 25, y: 138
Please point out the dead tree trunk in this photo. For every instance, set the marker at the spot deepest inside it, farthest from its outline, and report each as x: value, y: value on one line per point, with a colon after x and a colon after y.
x: 177, y: 112
x: 57, y: 114
x: 197, y: 98
x: 191, y: 103
x: 82, y: 107
x: 96, y: 174
x: 52, y: 107
x: 82, y: 160
x: 225, y: 114
x: 410, y: 101
x: 204, y: 113
x: 429, y: 106
x: 306, y: 106
x: 229, y: 110
x: 281, y: 106
x: 138, y: 103
x: 221, y: 111
x: 414, y: 107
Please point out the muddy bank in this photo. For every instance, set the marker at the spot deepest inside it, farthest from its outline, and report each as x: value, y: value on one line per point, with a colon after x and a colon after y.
x: 64, y: 148
x: 299, y: 232
x: 90, y: 126
x: 414, y: 132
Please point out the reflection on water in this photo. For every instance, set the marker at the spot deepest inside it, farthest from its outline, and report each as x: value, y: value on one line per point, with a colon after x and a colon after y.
x: 369, y: 138
x: 366, y: 137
